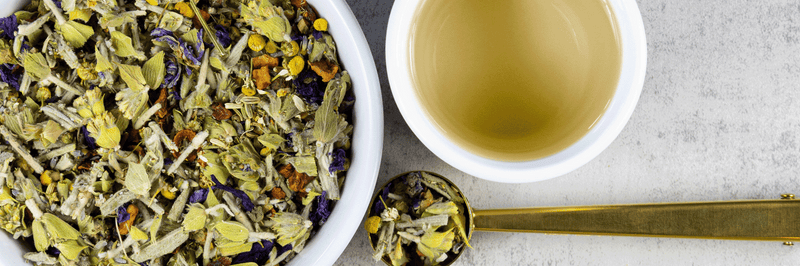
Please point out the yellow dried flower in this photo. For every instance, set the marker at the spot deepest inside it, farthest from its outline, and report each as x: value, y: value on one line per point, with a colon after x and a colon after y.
x: 86, y: 72
x: 271, y: 47
x: 167, y: 193
x: 43, y: 93
x: 256, y: 42
x: 264, y: 152
x: 290, y: 48
x: 184, y: 9
x: 45, y: 178
x: 153, y: 2
x: 296, y: 65
x: 282, y: 93
x: 321, y: 24
x: 373, y: 224
x: 248, y: 91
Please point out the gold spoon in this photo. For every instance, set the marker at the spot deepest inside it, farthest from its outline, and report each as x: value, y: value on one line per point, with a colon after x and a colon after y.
x: 767, y: 220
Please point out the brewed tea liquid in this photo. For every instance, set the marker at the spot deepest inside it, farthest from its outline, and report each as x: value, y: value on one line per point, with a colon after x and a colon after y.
x: 515, y: 80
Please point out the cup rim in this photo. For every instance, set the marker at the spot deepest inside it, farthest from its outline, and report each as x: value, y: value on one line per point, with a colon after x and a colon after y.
x: 629, y: 87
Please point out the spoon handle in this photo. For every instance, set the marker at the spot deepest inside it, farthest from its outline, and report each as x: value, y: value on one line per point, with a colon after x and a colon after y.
x: 777, y: 220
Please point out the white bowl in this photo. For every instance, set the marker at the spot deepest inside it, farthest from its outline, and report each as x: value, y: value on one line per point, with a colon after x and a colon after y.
x: 356, y: 57
x: 634, y: 61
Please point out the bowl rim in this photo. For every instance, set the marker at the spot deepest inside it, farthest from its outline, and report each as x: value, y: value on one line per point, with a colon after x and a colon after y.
x: 634, y: 62
x: 334, y: 236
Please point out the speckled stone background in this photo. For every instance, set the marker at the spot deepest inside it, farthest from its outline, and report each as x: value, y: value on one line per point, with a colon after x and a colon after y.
x: 717, y: 120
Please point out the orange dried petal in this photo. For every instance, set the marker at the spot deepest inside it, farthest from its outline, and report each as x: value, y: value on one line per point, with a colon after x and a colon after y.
x: 324, y: 69
x: 299, y: 181
x: 286, y: 171
x: 277, y: 193
x: 185, y: 135
x: 265, y: 61
x: 220, y: 112
x: 262, y: 78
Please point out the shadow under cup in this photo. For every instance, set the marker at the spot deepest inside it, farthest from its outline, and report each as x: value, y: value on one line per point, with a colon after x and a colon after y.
x: 515, y: 80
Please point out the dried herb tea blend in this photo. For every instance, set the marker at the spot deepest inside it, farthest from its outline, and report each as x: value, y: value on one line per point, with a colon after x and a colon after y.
x: 418, y: 219
x: 163, y: 132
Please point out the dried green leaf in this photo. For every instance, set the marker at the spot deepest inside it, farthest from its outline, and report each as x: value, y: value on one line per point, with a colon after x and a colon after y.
x: 75, y: 33
x: 123, y: 46
x: 36, y: 66
x: 304, y: 164
x: 137, y: 180
x: 433, y: 244
x: 233, y: 231
x: 132, y: 75
x: 103, y: 63
x: 154, y: 70
x: 272, y: 141
x: 137, y: 234
x: 195, y: 219
x: 154, y: 227
x: 448, y: 208
x: 7, y: 53
x: 40, y: 239
x: 235, y: 249
x: 327, y: 125
x: 59, y: 229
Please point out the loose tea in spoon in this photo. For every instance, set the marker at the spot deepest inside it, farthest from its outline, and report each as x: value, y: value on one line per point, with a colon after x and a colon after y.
x: 418, y: 219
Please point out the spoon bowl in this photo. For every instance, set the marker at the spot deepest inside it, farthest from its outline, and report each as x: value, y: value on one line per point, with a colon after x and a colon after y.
x: 765, y: 220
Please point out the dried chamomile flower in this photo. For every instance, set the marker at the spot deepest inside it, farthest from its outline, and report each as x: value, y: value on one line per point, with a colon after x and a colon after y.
x: 132, y: 132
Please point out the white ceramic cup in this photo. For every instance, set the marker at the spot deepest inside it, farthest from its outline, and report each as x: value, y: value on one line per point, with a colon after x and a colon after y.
x: 634, y: 61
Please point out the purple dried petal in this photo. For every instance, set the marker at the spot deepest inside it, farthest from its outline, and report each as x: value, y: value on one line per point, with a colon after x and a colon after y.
x: 172, y: 75
x: 317, y: 34
x: 198, y: 195
x: 223, y: 36
x: 122, y: 213
x: 246, y: 203
x: 259, y: 254
x: 9, y: 25
x: 171, y: 41
x: 52, y: 251
x: 310, y: 86
x: 337, y: 164
x: 189, y: 53
x: 7, y: 76
x: 378, y: 207
x: 88, y: 139
x: 159, y: 32
x: 282, y: 249
x: 322, y: 211
x: 176, y: 95
x: 167, y: 161
x: 58, y: 3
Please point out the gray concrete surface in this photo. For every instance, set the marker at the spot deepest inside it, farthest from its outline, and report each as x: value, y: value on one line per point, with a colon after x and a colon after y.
x: 717, y: 120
